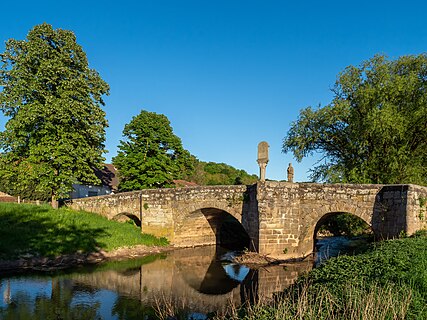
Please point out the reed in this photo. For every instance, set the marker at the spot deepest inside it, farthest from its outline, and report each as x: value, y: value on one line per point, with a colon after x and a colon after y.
x: 386, y: 302
x: 374, y: 303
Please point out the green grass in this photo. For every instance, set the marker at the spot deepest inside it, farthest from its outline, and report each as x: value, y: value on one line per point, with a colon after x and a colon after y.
x: 388, y: 281
x: 400, y: 263
x: 45, y: 232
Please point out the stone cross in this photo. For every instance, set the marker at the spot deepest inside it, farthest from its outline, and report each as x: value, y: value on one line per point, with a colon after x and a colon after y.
x: 290, y: 173
x: 262, y: 159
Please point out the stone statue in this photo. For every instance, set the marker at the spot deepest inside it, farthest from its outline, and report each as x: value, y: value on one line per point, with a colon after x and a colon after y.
x: 262, y: 159
x: 290, y: 173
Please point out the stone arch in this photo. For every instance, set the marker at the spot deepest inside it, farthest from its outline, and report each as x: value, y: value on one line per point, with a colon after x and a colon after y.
x: 187, y: 208
x: 328, y: 215
x: 208, y: 226
x: 313, y: 222
x: 125, y: 216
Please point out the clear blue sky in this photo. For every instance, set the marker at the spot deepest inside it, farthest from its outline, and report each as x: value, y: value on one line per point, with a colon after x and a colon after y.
x: 227, y: 74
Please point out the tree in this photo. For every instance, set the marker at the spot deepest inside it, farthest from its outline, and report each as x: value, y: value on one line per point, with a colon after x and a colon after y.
x: 375, y: 128
x: 151, y: 155
x: 56, y: 129
x: 212, y: 173
x: 19, y: 181
x: 346, y: 224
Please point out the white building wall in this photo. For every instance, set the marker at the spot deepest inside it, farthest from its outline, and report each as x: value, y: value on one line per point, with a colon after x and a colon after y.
x: 84, y: 191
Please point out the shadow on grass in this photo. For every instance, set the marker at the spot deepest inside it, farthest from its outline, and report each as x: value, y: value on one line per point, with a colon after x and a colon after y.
x: 41, y: 231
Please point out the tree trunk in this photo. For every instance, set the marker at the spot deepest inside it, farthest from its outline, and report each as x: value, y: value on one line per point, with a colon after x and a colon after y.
x: 54, y: 202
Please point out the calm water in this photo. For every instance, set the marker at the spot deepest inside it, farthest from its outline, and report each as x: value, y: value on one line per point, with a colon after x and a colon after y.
x: 194, y: 282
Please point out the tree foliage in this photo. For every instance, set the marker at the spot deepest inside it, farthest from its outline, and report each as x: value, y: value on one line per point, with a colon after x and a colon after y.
x: 375, y: 128
x: 212, y: 173
x: 151, y: 155
x: 345, y: 224
x: 56, y: 129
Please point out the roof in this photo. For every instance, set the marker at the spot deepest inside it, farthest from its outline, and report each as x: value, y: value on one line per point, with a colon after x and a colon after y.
x: 108, y: 175
x: 183, y: 183
x: 4, y: 197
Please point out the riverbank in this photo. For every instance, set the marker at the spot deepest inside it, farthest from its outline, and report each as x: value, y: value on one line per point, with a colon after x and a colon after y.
x: 40, y: 238
x: 72, y: 260
x: 388, y: 281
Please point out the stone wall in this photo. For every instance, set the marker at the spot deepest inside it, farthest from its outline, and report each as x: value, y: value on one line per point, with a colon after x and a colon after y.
x: 186, y: 216
x: 390, y: 211
x: 279, y: 218
x: 250, y: 216
x: 416, y: 207
x: 290, y: 213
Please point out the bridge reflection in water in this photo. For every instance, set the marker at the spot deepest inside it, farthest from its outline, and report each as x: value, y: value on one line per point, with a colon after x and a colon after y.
x: 195, y: 279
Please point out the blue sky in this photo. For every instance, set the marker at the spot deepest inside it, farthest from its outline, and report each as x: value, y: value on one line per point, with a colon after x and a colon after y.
x: 227, y: 74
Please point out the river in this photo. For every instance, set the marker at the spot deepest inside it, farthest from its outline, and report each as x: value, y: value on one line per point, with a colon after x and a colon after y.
x: 193, y: 282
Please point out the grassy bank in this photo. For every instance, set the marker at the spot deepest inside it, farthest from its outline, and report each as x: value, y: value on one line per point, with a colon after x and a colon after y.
x: 28, y: 230
x: 389, y: 281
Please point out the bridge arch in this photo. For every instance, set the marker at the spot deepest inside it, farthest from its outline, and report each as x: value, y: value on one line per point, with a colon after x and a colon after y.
x: 329, y: 215
x: 320, y: 215
x: 213, y: 281
x: 126, y: 216
x: 211, y: 226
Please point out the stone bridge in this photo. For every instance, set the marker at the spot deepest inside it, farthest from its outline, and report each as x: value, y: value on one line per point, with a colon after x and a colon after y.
x: 278, y: 219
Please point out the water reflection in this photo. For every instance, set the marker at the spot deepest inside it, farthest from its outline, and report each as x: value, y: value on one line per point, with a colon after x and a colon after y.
x: 36, y: 298
x: 192, y: 281
x: 327, y: 247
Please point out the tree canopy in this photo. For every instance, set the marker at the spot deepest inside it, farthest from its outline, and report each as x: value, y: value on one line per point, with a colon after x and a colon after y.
x: 375, y: 128
x: 56, y: 129
x: 151, y: 155
x: 212, y: 173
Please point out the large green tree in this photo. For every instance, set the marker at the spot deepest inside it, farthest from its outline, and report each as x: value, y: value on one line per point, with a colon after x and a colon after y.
x: 375, y: 128
x: 56, y: 129
x: 151, y: 155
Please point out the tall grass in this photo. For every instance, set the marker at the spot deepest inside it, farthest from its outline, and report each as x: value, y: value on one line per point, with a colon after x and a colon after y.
x: 373, y: 303
x: 29, y: 230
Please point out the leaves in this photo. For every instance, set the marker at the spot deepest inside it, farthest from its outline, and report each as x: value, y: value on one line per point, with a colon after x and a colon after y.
x: 151, y: 155
x: 374, y: 130
x: 56, y: 126
x: 212, y: 173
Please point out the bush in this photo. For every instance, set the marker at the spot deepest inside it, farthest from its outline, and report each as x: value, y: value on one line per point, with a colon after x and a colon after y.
x: 345, y: 224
